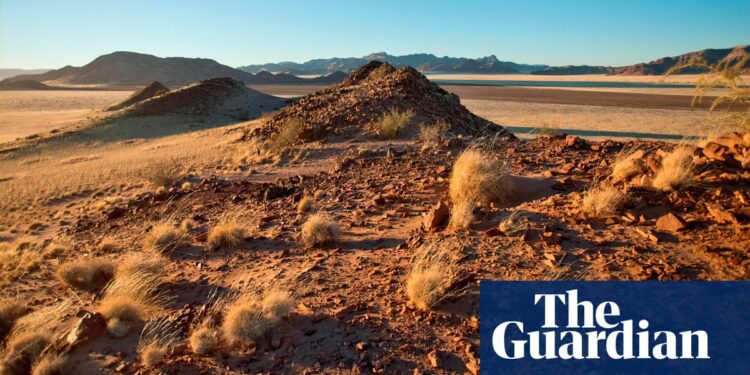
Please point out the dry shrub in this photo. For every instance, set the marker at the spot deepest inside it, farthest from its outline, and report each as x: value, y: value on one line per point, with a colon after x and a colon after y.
x: 204, y: 340
x: 628, y: 165
x: 128, y: 299
x: 319, y: 229
x: 162, y: 173
x: 433, y: 133
x: 676, y: 170
x: 146, y: 262
x: 157, y: 337
x: 165, y: 238
x: 50, y: 362
x: 394, y: 122
x: 32, y: 337
x: 305, y: 204
x: 225, y: 235
x: 18, y: 260
x: 86, y: 273
x: 602, y: 201
x: 289, y: 134
x: 252, y: 314
x: 476, y: 177
x: 10, y: 311
x: 431, y: 275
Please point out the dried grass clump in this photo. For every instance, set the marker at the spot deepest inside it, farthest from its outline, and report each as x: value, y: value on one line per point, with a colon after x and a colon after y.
x: 128, y: 299
x: 157, y: 337
x: 10, y: 311
x: 146, y: 262
x: 627, y: 166
x: 393, y: 123
x: 50, y: 362
x: 204, y: 340
x: 32, y: 337
x: 305, y: 204
x: 433, y: 133
x: 319, y: 229
x: 676, y: 171
x: 225, y: 235
x: 431, y: 275
x: 18, y: 260
x: 289, y: 134
x: 251, y: 315
x: 602, y: 201
x: 162, y: 173
x: 165, y: 238
x: 87, y: 273
x: 107, y: 245
x: 476, y: 177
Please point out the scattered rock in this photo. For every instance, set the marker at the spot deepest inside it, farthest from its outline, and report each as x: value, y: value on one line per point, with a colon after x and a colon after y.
x: 670, y: 223
x: 91, y: 324
x: 437, y: 217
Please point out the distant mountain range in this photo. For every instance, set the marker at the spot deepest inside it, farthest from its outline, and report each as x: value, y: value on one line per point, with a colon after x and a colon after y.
x: 426, y: 63
x: 730, y: 56
x: 130, y: 68
x: 5, y: 73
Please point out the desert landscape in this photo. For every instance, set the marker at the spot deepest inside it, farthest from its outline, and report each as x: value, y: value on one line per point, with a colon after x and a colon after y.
x: 177, y: 215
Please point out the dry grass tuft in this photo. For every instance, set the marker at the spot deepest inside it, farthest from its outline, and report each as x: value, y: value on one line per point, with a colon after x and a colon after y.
x: 157, y: 337
x: 430, y: 276
x: 251, y: 315
x: 393, y: 123
x: 476, y: 177
x: 18, y: 260
x: 676, y: 171
x: 10, y: 311
x: 305, y: 204
x: 146, y: 262
x: 204, y: 340
x: 22, y: 351
x: 107, y: 245
x: 433, y: 133
x: 128, y: 299
x: 289, y: 134
x: 225, y: 235
x: 165, y: 238
x: 50, y: 362
x: 628, y: 165
x: 319, y: 229
x: 88, y: 274
x: 602, y: 201
x: 162, y: 173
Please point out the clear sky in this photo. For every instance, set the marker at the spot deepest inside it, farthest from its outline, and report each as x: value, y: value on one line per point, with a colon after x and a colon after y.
x: 50, y: 34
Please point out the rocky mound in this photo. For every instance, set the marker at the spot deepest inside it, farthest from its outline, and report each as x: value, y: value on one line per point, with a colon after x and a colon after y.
x: 217, y: 96
x: 148, y: 92
x: 736, y: 57
x: 369, y: 92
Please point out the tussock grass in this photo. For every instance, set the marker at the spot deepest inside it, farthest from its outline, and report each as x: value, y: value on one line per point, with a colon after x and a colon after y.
x: 50, y: 362
x: 319, y: 229
x: 430, y: 276
x: 165, y: 238
x: 17, y: 260
x: 288, y: 135
x: 86, y: 273
x: 476, y: 177
x: 128, y: 299
x: 225, y: 235
x: 204, y: 340
x: 32, y: 336
x: 10, y: 311
x: 205, y: 334
x: 162, y: 173
x: 393, y: 123
x: 144, y: 262
x: 157, y: 337
x: 107, y: 245
x: 628, y: 165
x: 433, y: 133
x: 253, y: 314
x: 602, y: 201
x: 676, y: 172
x: 305, y: 204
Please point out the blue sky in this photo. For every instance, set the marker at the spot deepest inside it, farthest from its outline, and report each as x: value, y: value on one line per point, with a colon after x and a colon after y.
x: 50, y: 34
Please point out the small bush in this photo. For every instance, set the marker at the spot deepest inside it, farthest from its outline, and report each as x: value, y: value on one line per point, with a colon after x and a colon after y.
x: 319, y: 229
x: 393, y: 123
x: 289, y: 134
x: 225, y: 235
x: 146, y: 262
x: 128, y: 299
x: 676, y: 170
x: 433, y: 133
x: 50, y: 362
x: 431, y: 275
x: 253, y: 314
x: 162, y: 173
x: 204, y: 340
x: 602, y: 200
x: 165, y: 238
x: 88, y: 274
x: 305, y: 204
x: 627, y: 166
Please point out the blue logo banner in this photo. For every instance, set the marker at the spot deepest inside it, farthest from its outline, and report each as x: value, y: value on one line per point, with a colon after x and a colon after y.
x: 614, y: 327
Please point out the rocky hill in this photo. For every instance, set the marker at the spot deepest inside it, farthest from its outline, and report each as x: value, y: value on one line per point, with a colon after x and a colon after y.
x: 213, y: 97
x: 129, y: 68
x: 729, y: 56
x: 368, y: 93
x: 148, y: 92
x: 423, y: 62
x: 573, y: 70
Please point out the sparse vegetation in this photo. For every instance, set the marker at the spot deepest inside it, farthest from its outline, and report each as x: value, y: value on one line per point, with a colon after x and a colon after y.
x: 145, y: 262
x: 393, y: 123
x: 676, y: 170
x: 157, y: 337
x: 204, y: 340
x: 128, y: 299
x: 225, y: 235
x: 32, y: 337
x: 107, y: 245
x: 165, y: 238
x: 319, y: 229
x: 18, y: 260
x: 433, y: 133
x: 252, y: 314
x: 511, y: 225
x: 628, y: 165
x: 476, y: 177
x: 10, y: 311
x: 431, y: 275
x: 602, y: 201
x: 162, y: 173
x: 305, y: 204
x: 50, y: 362
x: 289, y: 134
x: 88, y: 274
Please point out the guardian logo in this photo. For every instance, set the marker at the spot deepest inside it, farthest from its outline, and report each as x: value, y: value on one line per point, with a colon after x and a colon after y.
x: 622, y: 327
